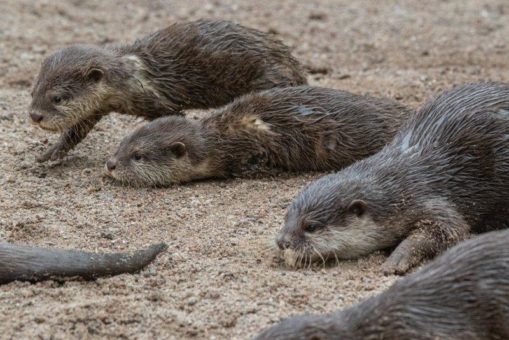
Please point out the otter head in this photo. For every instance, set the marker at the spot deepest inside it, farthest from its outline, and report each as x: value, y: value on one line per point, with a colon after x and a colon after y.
x: 72, y: 85
x: 336, y: 217
x: 165, y: 151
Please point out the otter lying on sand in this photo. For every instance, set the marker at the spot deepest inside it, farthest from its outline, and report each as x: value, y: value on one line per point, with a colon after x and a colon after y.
x: 192, y: 65
x: 463, y: 294
x: 445, y: 175
x: 283, y: 129
x: 36, y: 264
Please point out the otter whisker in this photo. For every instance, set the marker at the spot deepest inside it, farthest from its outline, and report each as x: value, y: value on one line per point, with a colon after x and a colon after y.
x: 301, y: 260
x: 320, y: 255
x: 298, y: 262
x: 304, y: 260
x: 270, y: 246
x: 273, y: 246
x: 336, y: 257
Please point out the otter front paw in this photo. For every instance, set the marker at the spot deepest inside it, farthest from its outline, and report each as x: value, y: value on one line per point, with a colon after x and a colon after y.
x: 55, y: 152
x: 397, y: 264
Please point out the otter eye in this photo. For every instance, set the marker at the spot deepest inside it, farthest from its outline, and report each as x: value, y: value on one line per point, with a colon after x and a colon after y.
x: 137, y: 157
x: 312, y: 227
x: 56, y: 99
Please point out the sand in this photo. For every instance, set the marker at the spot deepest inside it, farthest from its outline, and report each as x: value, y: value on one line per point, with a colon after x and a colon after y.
x: 217, y: 280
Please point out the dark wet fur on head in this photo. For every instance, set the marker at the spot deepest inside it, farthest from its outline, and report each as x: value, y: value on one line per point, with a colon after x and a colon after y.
x: 463, y: 294
x: 154, y: 143
x: 69, y: 75
x: 33, y: 264
x: 67, y: 69
x: 445, y: 174
x: 192, y: 65
x: 261, y: 134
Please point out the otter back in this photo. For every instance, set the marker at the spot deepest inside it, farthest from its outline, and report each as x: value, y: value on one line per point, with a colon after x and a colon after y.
x: 283, y: 129
x: 208, y: 63
x: 302, y: 129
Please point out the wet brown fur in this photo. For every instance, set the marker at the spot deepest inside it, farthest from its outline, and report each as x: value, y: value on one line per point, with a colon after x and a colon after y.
x: 463, y: 294
x: 192, y: 65
x: 33, y: 264
x: 284, y: 129
x: 445, y: 175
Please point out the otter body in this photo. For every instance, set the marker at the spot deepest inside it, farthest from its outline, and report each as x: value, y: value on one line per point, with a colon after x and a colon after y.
x: 445, y: 175
x: 194, y: 65
x: 463, y: 294
x: 283, y: 129
x: 35, y: 264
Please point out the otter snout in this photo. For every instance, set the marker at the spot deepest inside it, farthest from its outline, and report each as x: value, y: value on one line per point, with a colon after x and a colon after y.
x: 283, y: 242
x: 36, y: 117
x: 111, y: 164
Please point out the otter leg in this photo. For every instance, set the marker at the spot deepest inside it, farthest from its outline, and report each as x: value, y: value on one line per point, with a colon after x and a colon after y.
x: 440, y: 228
x: 69, y: 139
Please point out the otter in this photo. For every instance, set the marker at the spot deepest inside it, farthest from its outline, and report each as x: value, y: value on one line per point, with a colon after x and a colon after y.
x: 444, y: 176
x: 282, y: 129
x: 193, y: 65
x: 34, y: 264
x: 463, y: 294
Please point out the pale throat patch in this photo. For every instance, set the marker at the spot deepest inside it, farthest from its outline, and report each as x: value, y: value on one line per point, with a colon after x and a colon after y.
x: 254, y: 122
x: 140, y: 80
x: 362, y: 237
x: 203, y: 169
x: 183, y: 171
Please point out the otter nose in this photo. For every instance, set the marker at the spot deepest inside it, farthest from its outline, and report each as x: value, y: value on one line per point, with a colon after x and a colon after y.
x: 111, y: 164
x: 37, y: 118
x: 282, y: 242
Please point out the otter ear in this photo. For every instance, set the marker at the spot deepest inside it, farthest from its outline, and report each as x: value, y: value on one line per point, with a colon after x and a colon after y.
x: 94, y: 74
x: 358, y: 207
x: 178, y: 149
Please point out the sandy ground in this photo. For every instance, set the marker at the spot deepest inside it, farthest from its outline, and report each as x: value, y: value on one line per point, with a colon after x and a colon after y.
x: 217, y: 279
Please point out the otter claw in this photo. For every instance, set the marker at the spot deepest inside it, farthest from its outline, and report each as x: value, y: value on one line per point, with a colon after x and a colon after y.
x: 54, y: 153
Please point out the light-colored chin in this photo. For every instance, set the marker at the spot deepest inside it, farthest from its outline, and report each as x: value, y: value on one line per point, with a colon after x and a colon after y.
x: 114, y: 175
x: 44, y: 125
x: 290, y: 257
x: 335, y: 247
x: 300, y: 259
x: 57, y: 125
x: 127, y: 180
x: 49, y: 128
x: 305, y: 259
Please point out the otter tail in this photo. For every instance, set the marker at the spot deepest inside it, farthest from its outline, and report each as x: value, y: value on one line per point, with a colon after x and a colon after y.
x: 36, y: 264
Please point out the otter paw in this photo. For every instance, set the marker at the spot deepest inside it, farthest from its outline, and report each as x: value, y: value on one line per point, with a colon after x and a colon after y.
x: 396, y: 264
x: 54, y: 153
